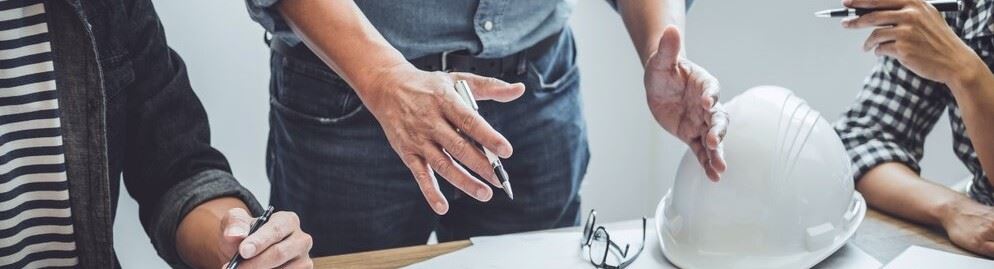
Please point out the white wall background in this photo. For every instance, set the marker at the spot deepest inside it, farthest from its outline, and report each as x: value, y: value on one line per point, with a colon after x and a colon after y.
x: 743, y: 43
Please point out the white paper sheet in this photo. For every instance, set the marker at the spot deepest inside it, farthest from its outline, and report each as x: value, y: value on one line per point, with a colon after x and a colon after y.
x: 922, y: 257
x: 849, y: 256
x: 562, y: 250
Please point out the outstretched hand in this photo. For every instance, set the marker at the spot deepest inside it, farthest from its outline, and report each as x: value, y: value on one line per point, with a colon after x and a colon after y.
x: 433, y: 132
x: 683, y: 98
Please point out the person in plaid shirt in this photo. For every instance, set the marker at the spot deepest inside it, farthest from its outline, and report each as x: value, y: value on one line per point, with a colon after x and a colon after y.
x: 930, y: 64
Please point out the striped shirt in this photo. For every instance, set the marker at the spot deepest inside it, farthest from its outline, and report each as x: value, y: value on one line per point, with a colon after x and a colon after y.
x: 35, y: 225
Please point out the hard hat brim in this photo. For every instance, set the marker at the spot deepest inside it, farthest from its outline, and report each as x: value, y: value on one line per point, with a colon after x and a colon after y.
x: 806, y: 259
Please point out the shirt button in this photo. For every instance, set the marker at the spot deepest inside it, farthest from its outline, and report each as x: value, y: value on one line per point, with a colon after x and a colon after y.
x: 488, y: 25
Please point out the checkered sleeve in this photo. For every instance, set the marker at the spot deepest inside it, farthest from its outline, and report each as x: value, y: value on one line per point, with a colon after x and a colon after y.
x: 891, y: 117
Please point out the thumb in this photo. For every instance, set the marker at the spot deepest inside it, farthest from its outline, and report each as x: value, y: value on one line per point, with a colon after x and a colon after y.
x: 669, y: 46
x: 488, y: 88
x: 235, y: 226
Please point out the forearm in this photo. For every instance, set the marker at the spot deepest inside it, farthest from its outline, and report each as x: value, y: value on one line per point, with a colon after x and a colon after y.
x: 646, y: 19
x: 974, y: 93
x: 198, y: 233
x: 339, y: 33
x: 896, y: 189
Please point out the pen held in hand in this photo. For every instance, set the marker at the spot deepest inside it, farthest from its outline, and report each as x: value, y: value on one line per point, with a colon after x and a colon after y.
x: 462, y: 88
x: 233, y: 263
x: 941, y: 5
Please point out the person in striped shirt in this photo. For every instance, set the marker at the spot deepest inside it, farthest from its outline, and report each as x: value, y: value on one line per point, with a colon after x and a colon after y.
x: 89, y: 91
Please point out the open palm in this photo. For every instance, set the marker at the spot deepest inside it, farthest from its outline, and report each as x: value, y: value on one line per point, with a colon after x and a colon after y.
x: 683, y: 98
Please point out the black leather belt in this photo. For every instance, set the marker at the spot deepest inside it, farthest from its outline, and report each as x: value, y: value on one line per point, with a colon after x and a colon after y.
x: 456, y: 61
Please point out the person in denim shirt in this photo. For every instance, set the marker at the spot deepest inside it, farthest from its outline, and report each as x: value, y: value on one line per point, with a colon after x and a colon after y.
x: 125, y: 112
x: 363, y: 113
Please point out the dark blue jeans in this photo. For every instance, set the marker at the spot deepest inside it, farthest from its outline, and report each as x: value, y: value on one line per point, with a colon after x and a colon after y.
x: 329, y: 161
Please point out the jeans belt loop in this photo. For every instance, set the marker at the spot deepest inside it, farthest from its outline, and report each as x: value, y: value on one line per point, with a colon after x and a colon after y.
x: 445, y: 60
x: 522, y: 65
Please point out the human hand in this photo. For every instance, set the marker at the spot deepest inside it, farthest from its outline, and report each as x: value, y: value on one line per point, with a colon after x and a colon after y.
x: 429, y: 127
x: 277, y: 244
x: 914, y: 33
x: 970, y: 225
x: 683, y: 98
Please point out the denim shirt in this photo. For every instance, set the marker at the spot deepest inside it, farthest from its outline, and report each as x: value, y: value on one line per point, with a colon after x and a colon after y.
x: 485, y: 28
x: 127, y: 107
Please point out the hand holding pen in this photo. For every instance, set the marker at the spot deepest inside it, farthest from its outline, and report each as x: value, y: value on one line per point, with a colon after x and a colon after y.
x: 466, y: 93
x: 914, y: 33
x: 939, y: 5
x: 274, y: 240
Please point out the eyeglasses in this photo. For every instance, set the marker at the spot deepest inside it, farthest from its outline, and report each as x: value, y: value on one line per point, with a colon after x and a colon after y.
x: 598, y: 243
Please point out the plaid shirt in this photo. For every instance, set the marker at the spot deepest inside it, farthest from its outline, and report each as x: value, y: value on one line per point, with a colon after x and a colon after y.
x: 896, y: 108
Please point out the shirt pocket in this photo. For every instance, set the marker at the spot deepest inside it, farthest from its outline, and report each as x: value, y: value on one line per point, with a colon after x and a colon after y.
x: 117, y: 74
x: 312, y: 93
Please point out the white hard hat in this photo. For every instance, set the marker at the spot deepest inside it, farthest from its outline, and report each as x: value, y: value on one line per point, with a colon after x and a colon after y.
x: 786, y: 199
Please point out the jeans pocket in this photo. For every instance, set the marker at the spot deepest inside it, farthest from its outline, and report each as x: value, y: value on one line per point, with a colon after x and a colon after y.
x: 553, y: 79
x: 312, y: 93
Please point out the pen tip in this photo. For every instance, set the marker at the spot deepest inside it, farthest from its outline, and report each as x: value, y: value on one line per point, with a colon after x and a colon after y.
x: 507, y: 189
x: 823, y: 14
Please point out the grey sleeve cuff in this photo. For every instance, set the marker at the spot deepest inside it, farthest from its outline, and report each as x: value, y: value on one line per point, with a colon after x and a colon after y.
x: 179, y: 200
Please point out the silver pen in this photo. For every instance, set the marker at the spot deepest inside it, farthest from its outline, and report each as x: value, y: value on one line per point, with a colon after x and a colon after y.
x: 941, y: 5
x: 462, y: 88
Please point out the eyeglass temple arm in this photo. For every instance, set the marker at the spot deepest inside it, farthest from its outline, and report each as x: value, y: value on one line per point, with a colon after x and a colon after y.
x: 629, y: 260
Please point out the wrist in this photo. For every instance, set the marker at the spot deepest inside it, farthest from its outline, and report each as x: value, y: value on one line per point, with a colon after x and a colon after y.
x: 373, y: 78
x: 948, y: 211
x: 199, y: 232
x: 970, y: 75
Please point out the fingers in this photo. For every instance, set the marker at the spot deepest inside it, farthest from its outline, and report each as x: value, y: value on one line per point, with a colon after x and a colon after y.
x: 467, y: 153
x: 709, y: 168
x: 291, y: 251
x: 718, y: 163
x: 711, y: 88
x: 669, y: 46
x: 877, y: 19
x: 425, y: 178
x: 488, y: 88
x: 236, y: 225
x: 713, y: 138
x: 704, y: 160
x: 879, y: 4
x: 987, y: 248
x: 883, y: 35
x: 455, y: 174
x: 887, y: 49
x: 719, y: 126
x: 279, y: 226
x: 473, y: 125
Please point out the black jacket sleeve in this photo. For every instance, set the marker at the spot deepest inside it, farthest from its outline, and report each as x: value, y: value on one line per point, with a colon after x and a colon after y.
x: 170, y: 166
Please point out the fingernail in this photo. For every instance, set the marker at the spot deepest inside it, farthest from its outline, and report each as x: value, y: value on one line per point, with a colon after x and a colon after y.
x: 235, y: 231
x: 247, y: 250
x: 505, y: 151
x: 481, y: 194
x: 440, y: 208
